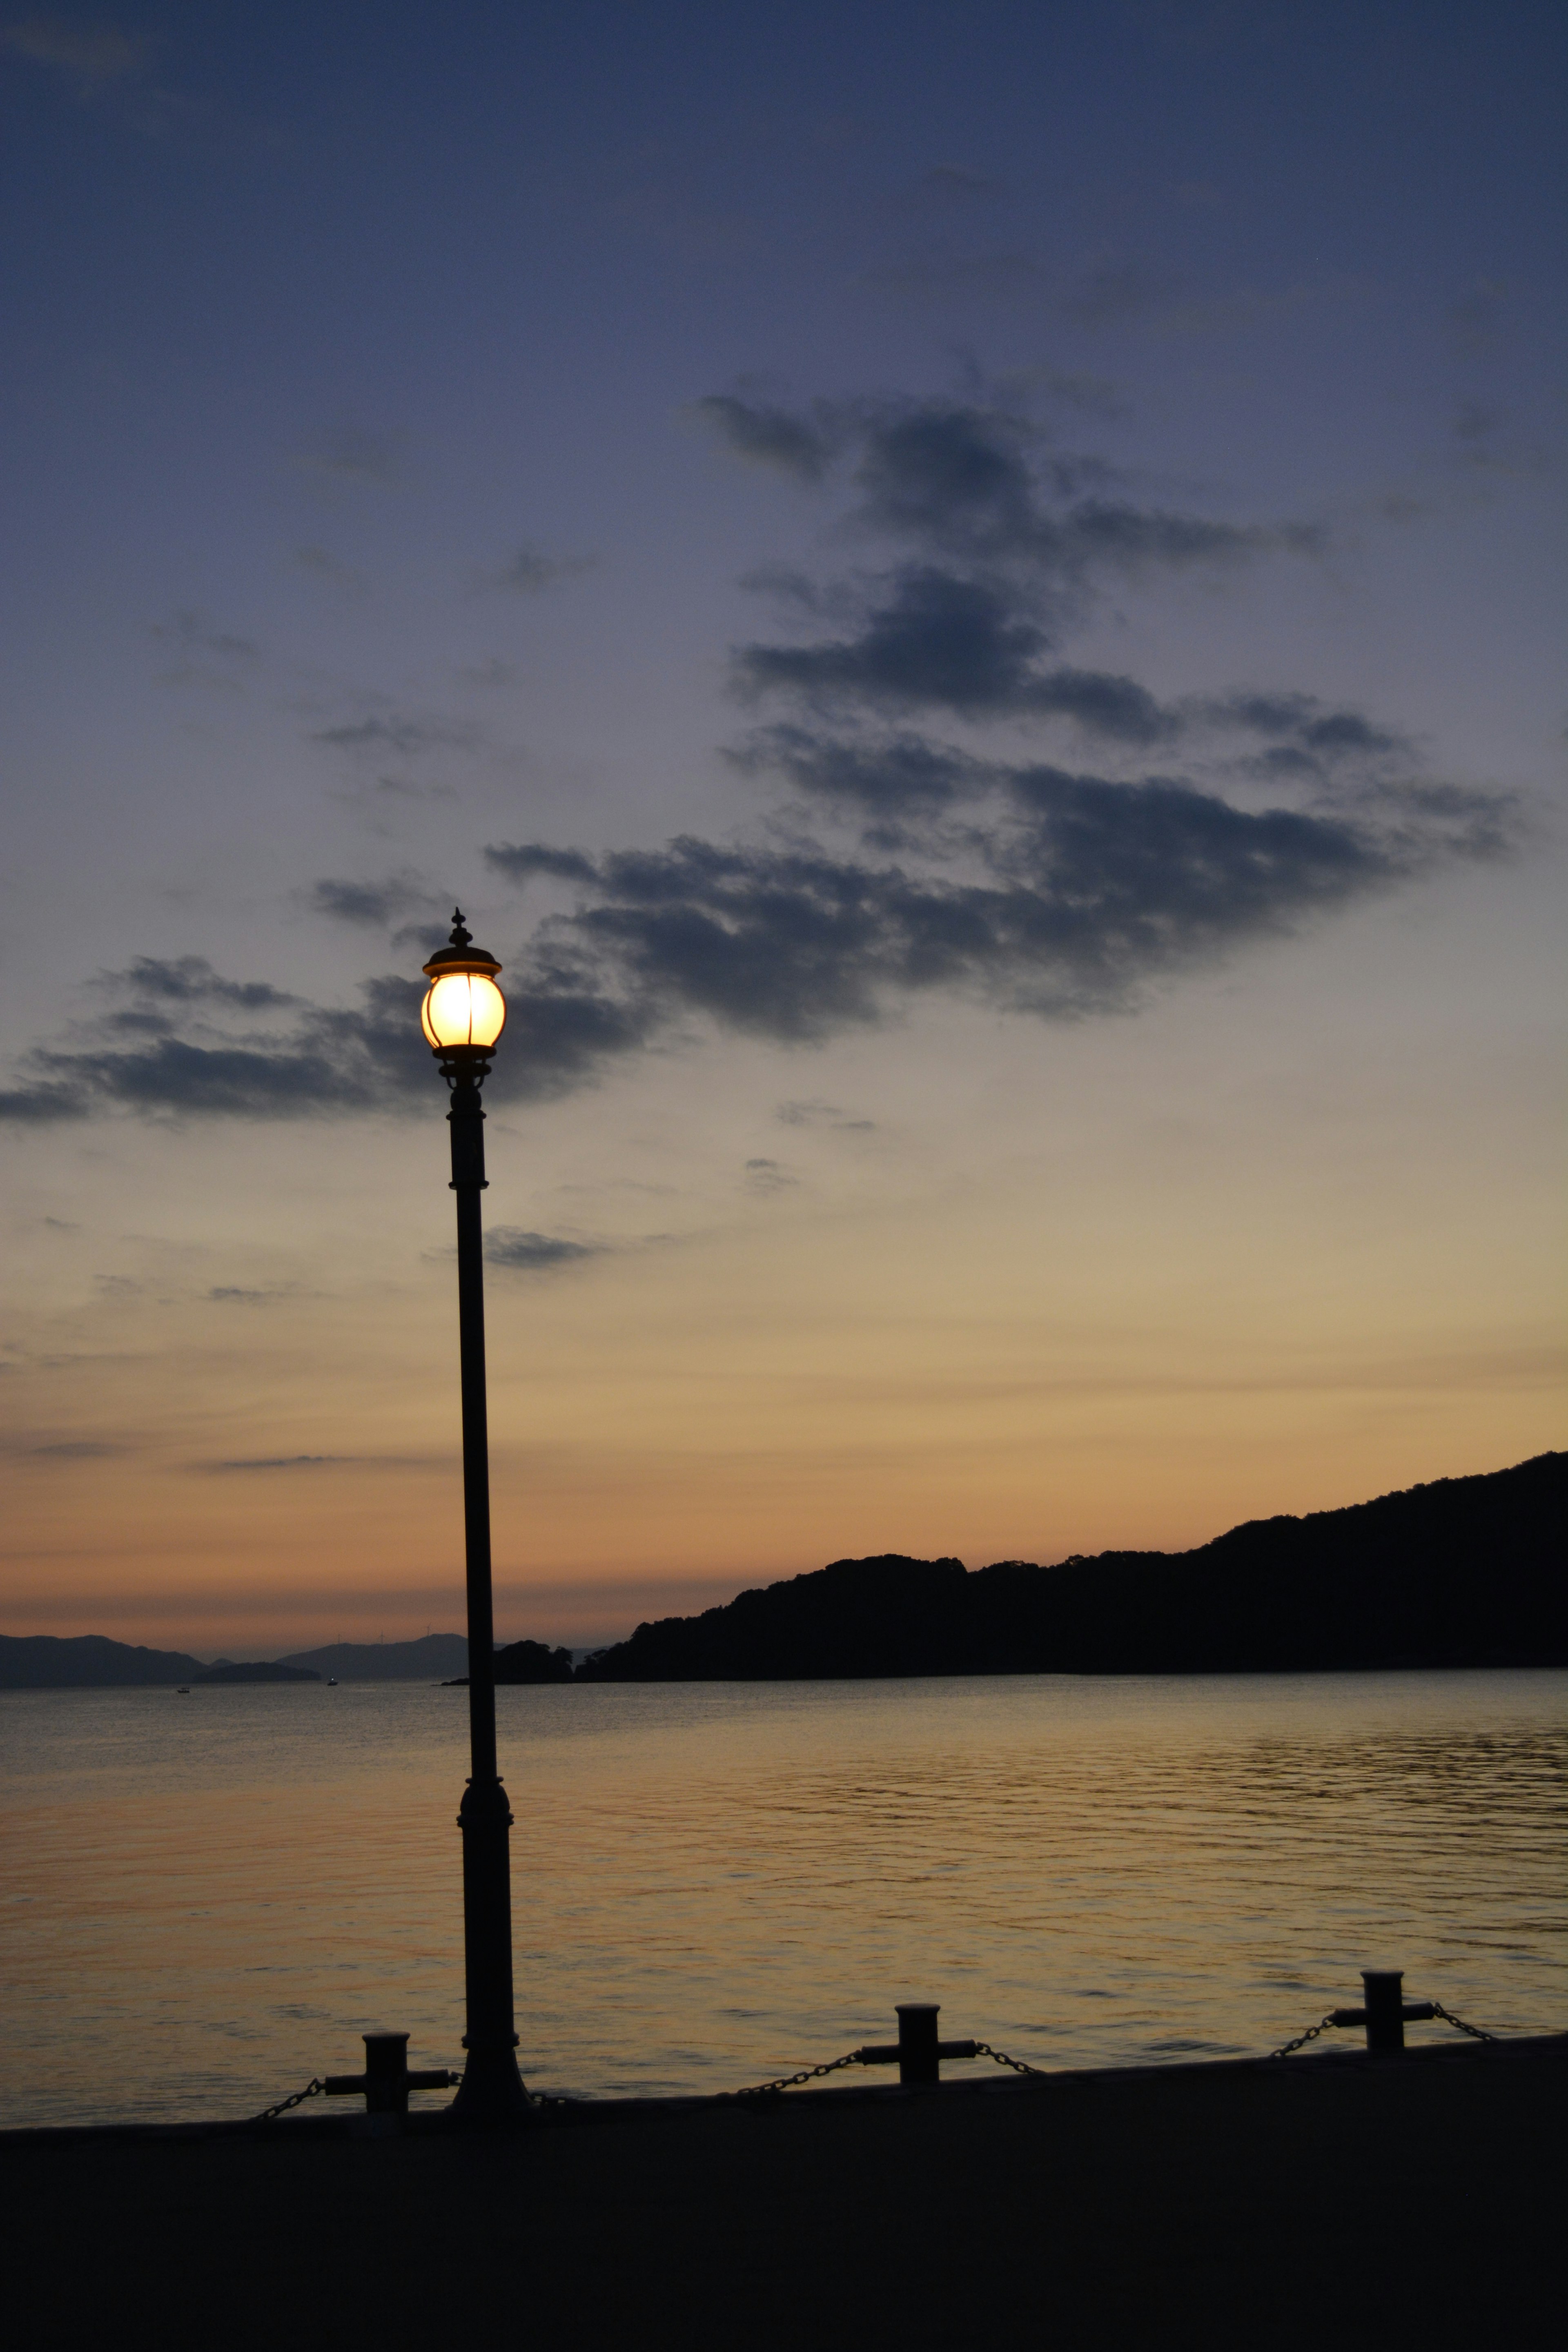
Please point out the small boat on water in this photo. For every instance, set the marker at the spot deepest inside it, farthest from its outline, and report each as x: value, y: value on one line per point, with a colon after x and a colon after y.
x: 184, y: 1691
x: 331, y: 1682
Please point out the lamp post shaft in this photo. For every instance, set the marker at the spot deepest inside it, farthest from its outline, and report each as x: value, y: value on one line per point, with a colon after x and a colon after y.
x: 492, y: 2090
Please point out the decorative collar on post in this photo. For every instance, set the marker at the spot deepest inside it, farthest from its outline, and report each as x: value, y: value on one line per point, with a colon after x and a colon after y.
x: 464, y: 1012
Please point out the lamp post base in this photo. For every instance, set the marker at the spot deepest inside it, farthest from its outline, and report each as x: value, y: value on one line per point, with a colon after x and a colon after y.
x: 491, y: 2091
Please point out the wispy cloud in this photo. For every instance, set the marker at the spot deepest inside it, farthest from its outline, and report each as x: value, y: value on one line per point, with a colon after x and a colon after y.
x: 351, y: 455
x: 899, y: 863
x: 405, y: 733
x: 520, y: 1251
x: 328, y: 567
x: 533, y: 569
x: 277, y: 1462
x: 90, y: 53
x: 375, y: 905
x: 765, y: 1177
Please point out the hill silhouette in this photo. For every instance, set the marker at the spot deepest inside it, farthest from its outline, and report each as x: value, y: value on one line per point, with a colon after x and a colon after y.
x: 256, y: 1670
x: 430, y: 1659
x: 88, y: 1662
x: 532, y: 1662
x: 1462, y: 1572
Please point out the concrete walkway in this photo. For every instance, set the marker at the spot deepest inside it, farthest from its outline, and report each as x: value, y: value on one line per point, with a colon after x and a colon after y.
x: 1324, y: 2201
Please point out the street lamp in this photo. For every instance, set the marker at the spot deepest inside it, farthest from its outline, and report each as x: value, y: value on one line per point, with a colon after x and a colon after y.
x: 463, y: 1016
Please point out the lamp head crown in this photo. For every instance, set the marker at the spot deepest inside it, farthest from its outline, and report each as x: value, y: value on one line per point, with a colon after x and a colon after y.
x: 460, y: 954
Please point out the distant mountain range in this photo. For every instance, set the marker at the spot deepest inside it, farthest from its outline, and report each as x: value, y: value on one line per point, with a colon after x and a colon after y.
x: 257, y: 1670
x: 1462, y: 1572
x: 433, y: 1659
x: 91, y: 1662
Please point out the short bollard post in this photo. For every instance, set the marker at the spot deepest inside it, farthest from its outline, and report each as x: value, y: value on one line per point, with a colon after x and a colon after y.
x: 386, y: 2082
x: 1385, y: 2013
x: 917, y: 2054
x: 1384, y: 1990
x: 918, y: 2051
x: 386, y: 2073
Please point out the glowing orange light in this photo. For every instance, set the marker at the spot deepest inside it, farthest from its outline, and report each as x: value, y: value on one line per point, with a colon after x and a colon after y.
x: 462, y: 1008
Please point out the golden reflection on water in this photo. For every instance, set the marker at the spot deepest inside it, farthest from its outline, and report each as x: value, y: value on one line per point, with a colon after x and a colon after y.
x: 207, y: 1900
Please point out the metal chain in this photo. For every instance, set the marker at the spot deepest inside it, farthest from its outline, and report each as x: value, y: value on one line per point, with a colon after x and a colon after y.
x: 1476, y: 2032
x: 852, y: 2057
x: 984, y: 2050
x: 1286, y: 2048
x: 791, y: 2081
x: 270, y: 2114
x: 1449, y: 2018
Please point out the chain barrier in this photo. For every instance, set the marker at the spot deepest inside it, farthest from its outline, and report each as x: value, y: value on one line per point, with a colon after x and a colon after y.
x: 1477, y: 2033
x: 792, y: 2082
x: 1000, y: 2058
x: 546, y: 2099
x: 1287, y: 2049
x: 270, y: 2114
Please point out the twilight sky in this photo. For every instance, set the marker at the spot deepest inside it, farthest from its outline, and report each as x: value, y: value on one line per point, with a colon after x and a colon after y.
x: 970, y: 597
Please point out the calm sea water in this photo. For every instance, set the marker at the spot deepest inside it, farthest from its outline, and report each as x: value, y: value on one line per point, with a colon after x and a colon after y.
x: 206, y: 1900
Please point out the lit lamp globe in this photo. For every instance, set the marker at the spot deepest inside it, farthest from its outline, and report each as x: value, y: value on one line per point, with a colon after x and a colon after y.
x: 464, y: 1012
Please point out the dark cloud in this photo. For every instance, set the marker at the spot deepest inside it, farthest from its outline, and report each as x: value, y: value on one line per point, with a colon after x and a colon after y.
x: 400, y: 733
x: 368, y: 1056
x: 939, y: 641
x: 901, y: 774
x: 1082, y: 892
x: 936, y: 639
x: 1301, y: 719
x: 526, y: 859
x: 527, y: 1252
x: 769, y: 437
x: 765, y: 1177
x: 276, y: 1462
x: 1023, y: 883
x: 813, y: 1112
x: 192, y: 981
x: 962, y: 480
x: 1008, y: 543
x: 376, y: 903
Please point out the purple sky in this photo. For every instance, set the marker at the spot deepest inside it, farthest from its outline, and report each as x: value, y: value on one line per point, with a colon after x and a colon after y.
x: 970, y: 598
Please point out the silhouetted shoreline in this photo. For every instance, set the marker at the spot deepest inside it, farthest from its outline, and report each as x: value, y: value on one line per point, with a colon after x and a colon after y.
x: 1463, y: 1572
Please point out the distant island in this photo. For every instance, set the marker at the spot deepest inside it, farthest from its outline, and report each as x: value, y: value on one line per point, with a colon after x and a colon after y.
x: 430, y: 1659
x: 259, y: 1670
x: 1462, y: 1572
x: 88, y: 1662
x: 91, y: 1662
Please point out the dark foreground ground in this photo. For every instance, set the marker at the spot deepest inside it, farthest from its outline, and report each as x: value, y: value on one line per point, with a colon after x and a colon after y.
x: 1324, y: 2201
